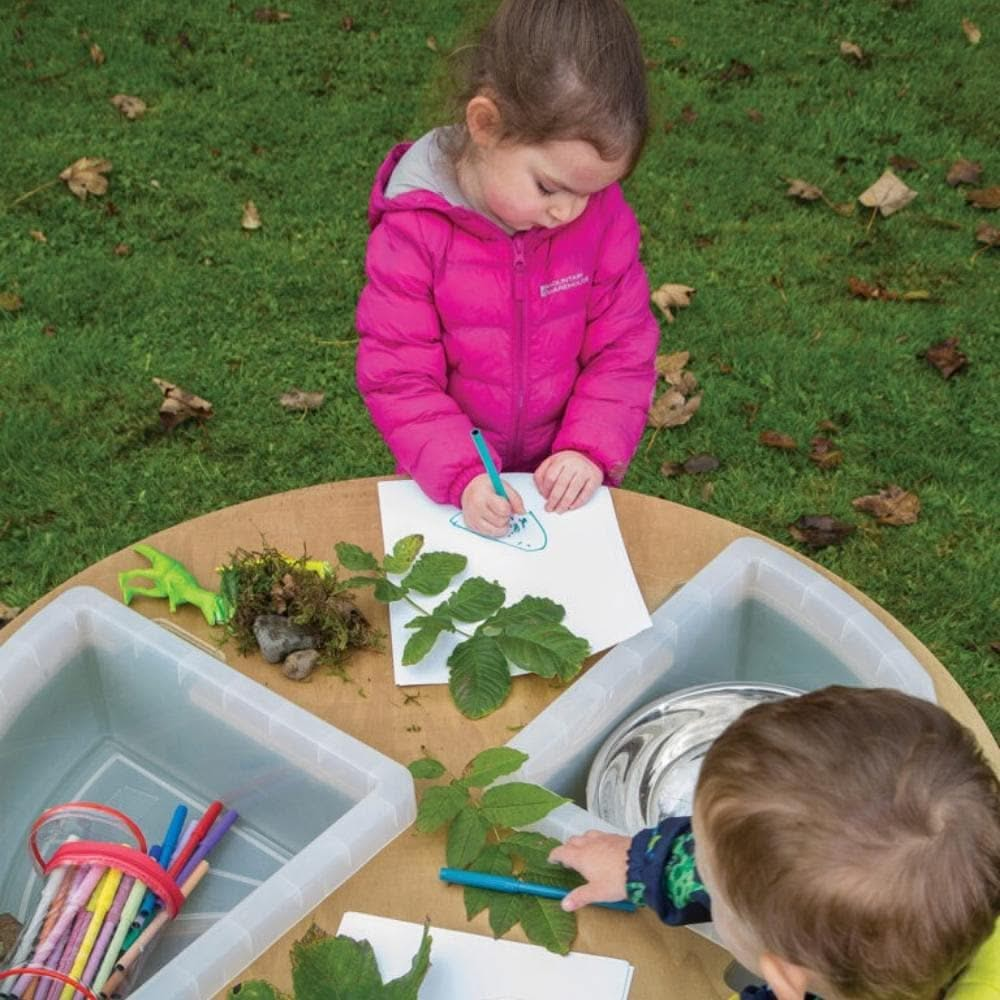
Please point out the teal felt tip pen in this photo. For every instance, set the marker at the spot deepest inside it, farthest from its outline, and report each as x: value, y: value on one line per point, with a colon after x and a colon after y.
x: 491, y: 470
x: 505, y: 883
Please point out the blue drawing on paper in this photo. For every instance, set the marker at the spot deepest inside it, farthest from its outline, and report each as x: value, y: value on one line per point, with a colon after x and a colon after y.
x: 526, y: 532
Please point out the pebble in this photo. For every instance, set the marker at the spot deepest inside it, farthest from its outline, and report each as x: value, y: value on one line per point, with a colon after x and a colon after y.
x: 300, y: 664
x: 277, y: 637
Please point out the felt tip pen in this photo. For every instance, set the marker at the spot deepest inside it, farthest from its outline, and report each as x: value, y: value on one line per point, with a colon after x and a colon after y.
x: 505, y: 883
x: 491, y: 470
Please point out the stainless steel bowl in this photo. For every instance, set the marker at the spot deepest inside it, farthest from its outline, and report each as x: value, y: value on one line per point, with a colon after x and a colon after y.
x: 648, y: 767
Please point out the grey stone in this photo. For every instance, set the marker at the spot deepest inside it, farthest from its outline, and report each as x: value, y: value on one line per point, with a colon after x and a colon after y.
x: 299, y: 665
x: 277, y: 637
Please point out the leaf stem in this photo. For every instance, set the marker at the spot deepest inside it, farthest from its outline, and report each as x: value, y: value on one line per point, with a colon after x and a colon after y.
x: 28, y: 194
x: 413, y: 604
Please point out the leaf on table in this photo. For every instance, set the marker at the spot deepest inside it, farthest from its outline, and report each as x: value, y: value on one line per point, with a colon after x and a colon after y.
x: 354, y: 558
x: 777, y: 439
x: 475, y: 600
x: 492, y: 861
x: 479, y: 678
x: 803, y: 190
x: 86, y: 176
x: 518, y: 803
x: 10, y: 302
x: 893, y: 505
x: 964, y: 172
x: 300, y: 400
x: 819, y: 530
x: 403, y: 553
x: 548, y: 649
x: 505, y: 912
x: 672, y: 409
x: 439, y: 805
x: 946, y: 357
x: 131, y: 107
x: 268, y: 15
x: 670, y: 296
x: 824, y: 453
x: 531, y: 847
x: 972, y: 32
x: 466, y: 836
x: 988, y: 198
x: 491, y: 764
x: 179, y: 405
x: 7, y: 614
x: 990, y: 235
x: 251, y: 217
x: 888, y: 194
x: 433, y: 571
x: 546, y: 923
x: 425, y: 768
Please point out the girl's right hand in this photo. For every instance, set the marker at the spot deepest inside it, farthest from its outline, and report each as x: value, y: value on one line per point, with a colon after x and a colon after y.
x: 486, y: 512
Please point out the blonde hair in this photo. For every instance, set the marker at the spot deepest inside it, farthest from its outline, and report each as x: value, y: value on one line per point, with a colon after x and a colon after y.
x: 559, y: 70
x: 857, y: 834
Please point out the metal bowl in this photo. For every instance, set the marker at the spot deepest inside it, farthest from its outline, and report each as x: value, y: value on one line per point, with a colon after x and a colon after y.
x: 648, y: 767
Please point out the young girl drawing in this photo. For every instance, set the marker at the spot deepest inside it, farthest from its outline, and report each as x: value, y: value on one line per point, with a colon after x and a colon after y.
x: 504, y: 285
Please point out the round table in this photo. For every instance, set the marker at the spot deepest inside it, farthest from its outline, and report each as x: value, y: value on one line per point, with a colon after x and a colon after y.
x: 401, y: 881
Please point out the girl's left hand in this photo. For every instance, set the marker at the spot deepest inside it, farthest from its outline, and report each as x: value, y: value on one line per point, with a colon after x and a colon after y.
x: 567, y: 480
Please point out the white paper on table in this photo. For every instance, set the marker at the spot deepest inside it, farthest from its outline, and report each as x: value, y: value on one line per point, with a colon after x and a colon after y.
x: 583, y: 566
x: 472, y: 967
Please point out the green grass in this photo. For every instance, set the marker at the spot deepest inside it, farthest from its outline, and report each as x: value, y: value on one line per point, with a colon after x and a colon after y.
x: 297, y: 116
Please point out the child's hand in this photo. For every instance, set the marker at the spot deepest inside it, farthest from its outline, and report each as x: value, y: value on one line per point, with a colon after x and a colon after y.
x: 567, y: 480
x: 486, y: 512
x: 602, y: 859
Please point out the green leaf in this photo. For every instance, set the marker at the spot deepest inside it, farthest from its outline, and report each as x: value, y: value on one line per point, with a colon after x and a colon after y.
x: 440, y: 805
x: 426, y: 767
x: 548, y: 649
x: 491, y: 764
x: 319, y: 963
x: 403, y: 554
x: 419, y: 645
x: 466, y: 836
x: 546, y: 923
x: 435, y: 621
x: 518, y: 803
x: 256, y: 989
x: 494, y: 862
x: 480, y: 678
x: 505, y: 911
x: 549, y: 874
x: 354, y: 557
x: 529, y: 611
x: 532, y: 848
x: 433, y: 572
x: 475, y: 599
x: 407, y: 987
x: 387, y: 591
x: 358, y: 581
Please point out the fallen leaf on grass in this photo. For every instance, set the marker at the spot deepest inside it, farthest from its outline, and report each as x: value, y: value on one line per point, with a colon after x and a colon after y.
x: 695, y: 465
x: 736, y: 70
x: 179, y: 405
x: 669, y: 364
x: 855, y: 52
x: 122, y: 250
x: 988, y: 198
x: 775, y: 439
x: 755, y: 116
x: 251, y: 217
x: 893, y: 505
x: 672, y: 409
x: 97, y: 56
x: 946, y: 357
x: 824, y: 453
x: 268, y: 15
x: 298, y: 399
x: 819, y: 530
x: 7, y: 614
x: 38, y: 236
x: 86, y: 176
x: 888, y: 194
x: 669, y: 297
x: 432, y: 43
x: 866, y: 290
x: 803, y: 190
x: 990, y: 235
x: 903, y: 163
x: 971, y: 31
x: 9, y: 302
x: 964, y: 172
x: 131, y: 107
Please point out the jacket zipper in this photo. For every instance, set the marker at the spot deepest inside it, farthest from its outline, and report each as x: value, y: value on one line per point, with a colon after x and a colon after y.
x: 519, y: 358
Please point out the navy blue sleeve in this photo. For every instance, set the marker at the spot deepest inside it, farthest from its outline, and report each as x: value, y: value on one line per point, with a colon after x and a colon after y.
x: 662, y: 873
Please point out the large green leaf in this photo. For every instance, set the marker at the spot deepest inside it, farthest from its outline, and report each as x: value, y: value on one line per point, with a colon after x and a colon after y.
x: 545, y: 873
x: 475, y: 600
x: 547, y: 923
x: 256, y: 989
x: 433, y: 572
x: 439, y: 805
x: 529, y: 611
x: 548, y: 649
x: 435, y: 620
x: 426, y: 767
x: 518, y: 803
x: 466, y: 836
x: 491, y: 764
x: 354, y: 557
x: 387, y: 591
x: 532, y: 848
x: 494, y: 862
x: 505, y: 911
x: 419, y: 645
x: 480, y: 678
x: 407, y: 987
x: 403, y: 554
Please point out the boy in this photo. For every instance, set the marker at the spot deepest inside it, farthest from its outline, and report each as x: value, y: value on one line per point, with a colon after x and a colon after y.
x: 845, y: 843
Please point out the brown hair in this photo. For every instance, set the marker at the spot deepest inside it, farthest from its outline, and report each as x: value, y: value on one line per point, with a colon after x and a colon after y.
x: 559, y: 70
x: 857, y: 834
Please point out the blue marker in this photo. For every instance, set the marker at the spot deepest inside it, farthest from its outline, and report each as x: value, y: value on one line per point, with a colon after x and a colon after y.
x: 504, y: 883
x: 491, y: 469
x: 172, y: 835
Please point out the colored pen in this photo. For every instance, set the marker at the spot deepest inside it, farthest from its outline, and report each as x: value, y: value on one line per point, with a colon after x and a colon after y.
x: 115, y: 948
x: 491, y: 470
x: 108, y: 927
x: 182, y: 858
x: 97, y: 907
x: 505, y: 883
x: 171, y: 836
x: 145, y: 904
x: 56, y: 888
x: 218, y: 831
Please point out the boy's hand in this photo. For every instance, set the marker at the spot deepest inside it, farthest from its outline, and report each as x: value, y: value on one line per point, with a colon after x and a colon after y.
x: 602, y: 859
x: 486, y: 512
x: 567, y: 480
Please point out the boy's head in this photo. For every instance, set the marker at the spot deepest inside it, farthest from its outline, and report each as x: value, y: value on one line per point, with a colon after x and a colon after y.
x: 850, y: 840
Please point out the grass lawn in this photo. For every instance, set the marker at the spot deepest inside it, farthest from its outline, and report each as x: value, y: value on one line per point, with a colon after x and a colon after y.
x: 296, y: 114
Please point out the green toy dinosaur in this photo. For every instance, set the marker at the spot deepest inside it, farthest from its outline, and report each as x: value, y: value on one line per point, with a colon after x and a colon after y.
x: 172, y: 580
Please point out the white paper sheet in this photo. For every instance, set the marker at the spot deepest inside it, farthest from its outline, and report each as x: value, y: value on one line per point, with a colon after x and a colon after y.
x: 472, y: 967
x: 582, y: 565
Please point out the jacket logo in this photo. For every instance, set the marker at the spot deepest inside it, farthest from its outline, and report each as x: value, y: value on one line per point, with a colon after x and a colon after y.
x: 563, y: 284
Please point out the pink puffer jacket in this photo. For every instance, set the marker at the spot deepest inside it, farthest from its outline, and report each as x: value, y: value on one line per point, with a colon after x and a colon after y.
x: 543, y: 339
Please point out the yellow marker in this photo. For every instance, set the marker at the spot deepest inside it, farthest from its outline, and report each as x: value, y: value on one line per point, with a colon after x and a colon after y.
x: 318, y: 566
x: 98, y: 905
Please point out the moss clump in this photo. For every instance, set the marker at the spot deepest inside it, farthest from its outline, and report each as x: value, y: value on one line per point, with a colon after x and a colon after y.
x: 267, y: 582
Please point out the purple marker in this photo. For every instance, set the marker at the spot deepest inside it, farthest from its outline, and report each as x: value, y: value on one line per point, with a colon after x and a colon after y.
x: 107, y: 928
x: 218, y: 831
x: 71, y: 946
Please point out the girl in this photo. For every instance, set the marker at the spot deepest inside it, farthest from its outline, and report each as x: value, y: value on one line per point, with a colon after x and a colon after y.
x: 504, y: 285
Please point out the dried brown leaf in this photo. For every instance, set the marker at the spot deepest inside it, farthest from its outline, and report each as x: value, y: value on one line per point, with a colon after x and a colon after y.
x: 736, y: 70
x: 7, y: 614
x: 268, y: 15
x: 9, y: 302
x: 97, y: 56
x: 698, y: 464
x: 755, y: 116
x: 903, y: 163
x: 122, y: 250
x: 988, y: 198
x: 775, y: 439
x: 672, y: 409
x: 865, y: 290
x: 946, y: 357
x: 990, y: 235
x: 964, y: 172
x: 670, y: 469
x: 299, y: 399
x: 670, y: 296
x: 853, y: 51
x: 971, y: 31
x: 251, y: 217
x: 823, y: 453
x: 888, y: 194
x: 38, y: 236
x: 131, y: 107
x: 803, y: 190
x: 829, y: 426
x: 667, y: 363
x: 432, y: 43
x: 86, y: 176
x: 819, y: 530
x: 179, y: 405
x: 893, y: 505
